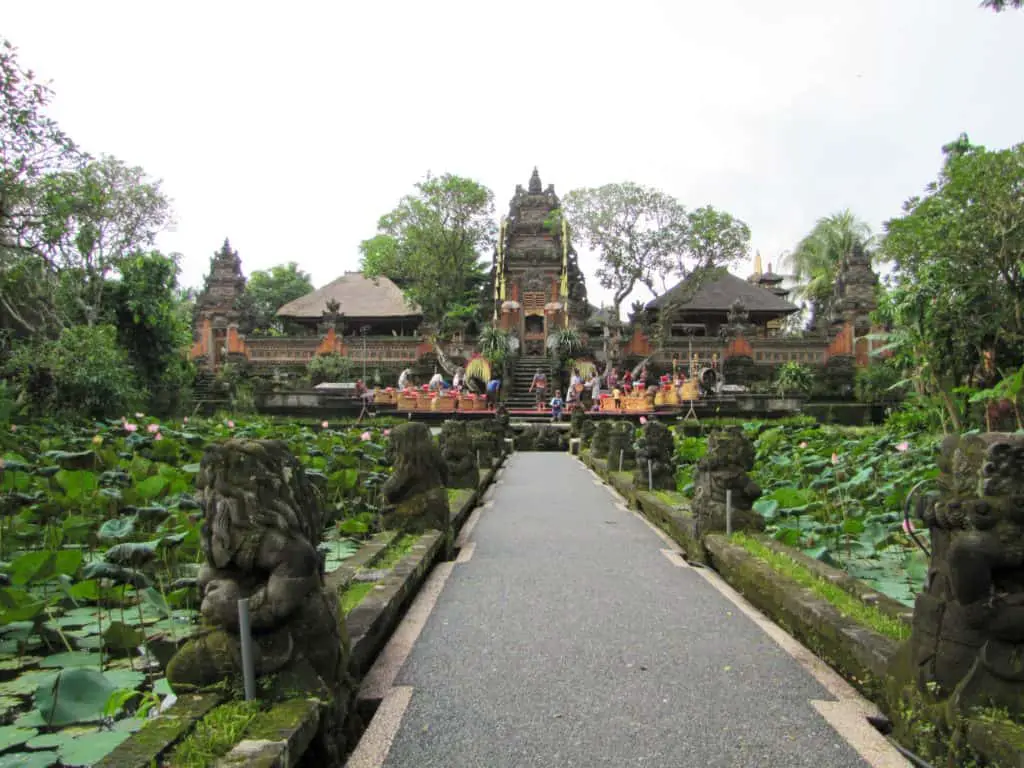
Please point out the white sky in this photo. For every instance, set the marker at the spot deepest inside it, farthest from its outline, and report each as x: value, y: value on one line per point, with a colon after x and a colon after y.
x: 292, y: 127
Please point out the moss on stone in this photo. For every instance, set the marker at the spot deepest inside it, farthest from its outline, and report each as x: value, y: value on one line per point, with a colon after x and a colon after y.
x: 354, y: 594
x: 214, y: 736
x: 398, y: 549
x: 159, y: 734
x: 845, y: 603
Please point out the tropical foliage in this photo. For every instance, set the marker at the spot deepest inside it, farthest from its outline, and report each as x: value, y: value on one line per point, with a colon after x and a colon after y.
x: 431, y: 245
x: 99, y: 552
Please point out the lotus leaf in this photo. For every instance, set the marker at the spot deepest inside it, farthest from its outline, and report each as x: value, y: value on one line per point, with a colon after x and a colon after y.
x: 76, y: 695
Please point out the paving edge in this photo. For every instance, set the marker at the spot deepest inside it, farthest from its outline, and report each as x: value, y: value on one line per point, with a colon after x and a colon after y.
x: 370, y: 625
x: 856, y: 652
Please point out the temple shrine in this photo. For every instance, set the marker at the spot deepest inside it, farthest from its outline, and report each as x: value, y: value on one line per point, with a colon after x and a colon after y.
x: 537, y: 289
x: 537, y: 283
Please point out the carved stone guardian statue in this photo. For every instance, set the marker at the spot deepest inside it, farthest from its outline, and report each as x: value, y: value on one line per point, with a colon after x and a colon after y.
x: 262, y: 524
x: 657, y: 449
x: 415, y: 493
x: 457, y: 450
x: 730, y: 456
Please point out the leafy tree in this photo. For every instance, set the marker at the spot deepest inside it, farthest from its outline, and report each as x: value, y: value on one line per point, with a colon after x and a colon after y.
x: 92, y: 219
x: 31, y: 145
x: 331, y: 367
x: 153, y: 326
x: 1002, y: 5
x: 956, y: 305
x: 267, y: 291
x: 816, y: 259
x: 635, y: 230
x: 84, y: 371
x: 431, y: 246
x: 642, y: 233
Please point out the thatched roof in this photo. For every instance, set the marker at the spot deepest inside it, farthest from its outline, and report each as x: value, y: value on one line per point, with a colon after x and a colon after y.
x: 718, y: 292
x: 358, y: 295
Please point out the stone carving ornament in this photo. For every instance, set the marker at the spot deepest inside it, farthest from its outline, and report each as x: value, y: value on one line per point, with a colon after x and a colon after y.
x: 262, y: 524
x: 968, y: 633
x: 730, y: 456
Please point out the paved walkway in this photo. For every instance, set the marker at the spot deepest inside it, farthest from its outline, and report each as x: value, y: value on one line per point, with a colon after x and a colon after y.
x: 568, y: 637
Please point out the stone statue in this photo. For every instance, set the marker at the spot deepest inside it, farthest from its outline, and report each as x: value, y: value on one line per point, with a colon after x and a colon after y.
x: 730, y: 456
x: 599, y: 444
x: 967, y: 643
x: 737, y: 322
x: 415, y: 493
x: 655, y: 448
x: 262, y: 524
x: 487, y: 440
x: 621, y: 440
x: 457, y: 451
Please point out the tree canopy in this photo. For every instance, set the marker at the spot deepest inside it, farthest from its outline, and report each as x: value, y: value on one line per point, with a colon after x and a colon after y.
x: 956, y: 302
x: 815, y: 260
x: 431, y: 245
x: 641, y: 234
x: 267, y: 290
x: 93, y: 319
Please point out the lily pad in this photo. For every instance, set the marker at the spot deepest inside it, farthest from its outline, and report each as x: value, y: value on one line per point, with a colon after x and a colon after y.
x: 91, y: 748
x: 26, y: 683
x: 28, y: 760
x: 12, y: 736
x: 71, y: 659
x: 76, y: 695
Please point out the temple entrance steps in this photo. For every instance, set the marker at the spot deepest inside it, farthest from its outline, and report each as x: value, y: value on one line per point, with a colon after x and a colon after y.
x: 519, y: 396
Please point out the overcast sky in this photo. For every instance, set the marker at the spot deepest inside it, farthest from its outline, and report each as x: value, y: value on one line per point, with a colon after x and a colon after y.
x: 291, y: 127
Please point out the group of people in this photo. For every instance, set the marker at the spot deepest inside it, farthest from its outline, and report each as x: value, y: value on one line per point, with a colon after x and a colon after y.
x: 576, y: 394
x: 458, y: 383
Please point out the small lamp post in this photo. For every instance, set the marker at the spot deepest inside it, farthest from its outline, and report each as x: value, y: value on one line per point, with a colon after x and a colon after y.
x: 363, y: 332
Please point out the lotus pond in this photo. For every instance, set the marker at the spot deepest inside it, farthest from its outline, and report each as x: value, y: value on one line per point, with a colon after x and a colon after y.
x: 838, y: 494
x: 99, y: 550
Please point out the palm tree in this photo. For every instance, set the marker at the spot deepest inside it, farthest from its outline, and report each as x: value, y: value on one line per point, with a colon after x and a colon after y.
x: 816, y: 259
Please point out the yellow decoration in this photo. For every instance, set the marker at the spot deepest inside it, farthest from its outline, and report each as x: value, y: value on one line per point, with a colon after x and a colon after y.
x: 478, y: 368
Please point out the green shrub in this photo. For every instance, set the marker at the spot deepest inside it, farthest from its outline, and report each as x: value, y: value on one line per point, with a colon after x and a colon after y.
x: 331, y: 367
x: 83, y: 372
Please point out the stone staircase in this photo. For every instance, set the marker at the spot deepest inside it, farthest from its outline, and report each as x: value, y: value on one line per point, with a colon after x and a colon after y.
x: 519, y: 396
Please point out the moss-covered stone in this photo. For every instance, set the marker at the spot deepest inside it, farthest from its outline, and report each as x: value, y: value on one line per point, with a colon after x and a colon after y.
x: 456, y: 449
x: 147, y: 746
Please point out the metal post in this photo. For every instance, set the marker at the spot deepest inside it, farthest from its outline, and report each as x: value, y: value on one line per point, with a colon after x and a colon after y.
x: 622, y: 453
x: 478, y: 458
x: 728, y: 513
x: 248, y: 663
x: 650, y: 475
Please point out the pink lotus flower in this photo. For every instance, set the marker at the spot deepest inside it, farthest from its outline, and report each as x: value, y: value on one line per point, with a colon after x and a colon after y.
x: 97, y: 440
x: 365, y: 436
x: 908, y: 526
x: 803, y: 445
x: 231, y: 424
x: 185, y: 420
x: 643, y: 419
x: 902, y: 447
x: 153, y: 429
x: 323, y: 424
x: 835, y: 458
x: 158, y: 436
x: 387, y: 432
x: 129, y: 427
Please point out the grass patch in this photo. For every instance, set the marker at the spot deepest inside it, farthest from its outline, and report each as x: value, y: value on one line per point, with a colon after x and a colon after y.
x: 215, y: 735
x: 673, y: 498
x: 398, y: 549
x: 457, y: 497
x: 354, y: 594
x: 843, y: 601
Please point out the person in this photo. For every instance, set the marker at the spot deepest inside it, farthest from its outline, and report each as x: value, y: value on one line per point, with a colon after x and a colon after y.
x: 556, y: 407
x: 436, y: 381
x: 613, y: 378
x: 492, y: 391
x: 458, y: 379
x: 595, y: 391
x: 539, y: 385
x: 627, y: 382
x: 405, y: 378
